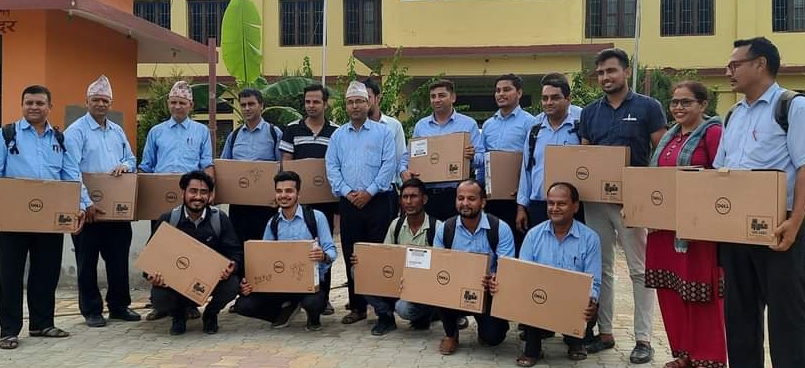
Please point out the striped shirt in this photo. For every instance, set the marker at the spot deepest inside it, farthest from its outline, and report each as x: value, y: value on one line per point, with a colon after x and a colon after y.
x: 300, y: 141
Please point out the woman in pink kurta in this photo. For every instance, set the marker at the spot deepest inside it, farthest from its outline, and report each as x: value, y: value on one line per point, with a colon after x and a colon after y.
x: 686, y: 273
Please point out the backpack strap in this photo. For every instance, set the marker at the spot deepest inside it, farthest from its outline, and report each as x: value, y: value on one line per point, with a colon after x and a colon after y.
x: 59, y: 138
x: 492, y: 235
x: 176, y: 215
x: 576, y: 129
x: 532, y: 145
x: 10, y: 136
x: 431, y: 232
x: 273, y: 223
x: 310, y: 221
x: 783, y: 105
x: 215, y: 221
x: 397, y: 228
x: 273, y: 133
x: 729, y: 115
x: 449, y: 232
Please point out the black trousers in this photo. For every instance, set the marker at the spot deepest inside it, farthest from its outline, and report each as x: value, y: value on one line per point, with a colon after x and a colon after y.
x: 506, y: 211
x: 45, y: 251
x: 250, y: 221
x: 491, y: 330
x: 112, y: 241
x: 441, y: 203
x: 176, y: 304
x: 533, y: 341
x: 368, y: 224
x: 757, y: 278
x: 266, y: 306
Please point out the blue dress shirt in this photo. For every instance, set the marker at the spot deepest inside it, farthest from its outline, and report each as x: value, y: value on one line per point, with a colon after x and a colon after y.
x: 98, y: 150
x: 360, y: 159
x: 296, y: 229
x: 579, y: 251
x: 531, y: 183
x: 754, y: 140
x: 41, y: 157
x: 173, y: 147
x: 254, y: 145
x: 507, y: 133
x: 477, y: 242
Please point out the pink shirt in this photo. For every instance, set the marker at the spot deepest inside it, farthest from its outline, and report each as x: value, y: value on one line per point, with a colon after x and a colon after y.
x: 703, y: 155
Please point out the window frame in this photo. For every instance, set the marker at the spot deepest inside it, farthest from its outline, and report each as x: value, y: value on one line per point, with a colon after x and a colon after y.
x: 314, y: 26
x: 678, y: 22
x: 624, y: 27
x: 156, y: 11
x: 787, y: 24
x: 219, y: 12
x: 378, y: 27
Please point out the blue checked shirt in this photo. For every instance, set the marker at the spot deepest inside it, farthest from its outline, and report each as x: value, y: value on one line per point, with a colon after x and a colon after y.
x: 173, y: 147
x: 41, y: 157
x: 98, y: 150
x: 361, y: 159
x: 579, y: 251
x: 253, y: 145
x: 296, y: 229
x: 477, y: 242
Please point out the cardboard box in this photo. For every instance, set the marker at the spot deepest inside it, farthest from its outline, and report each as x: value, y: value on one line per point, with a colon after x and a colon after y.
x: 187, y: 265
x: 440, y: 158
x: 379, y: 269
x: 281, y: 266
x: 115, y: 195
x: 739, y: 206
x: 315, y: 186
x: 246, y: 182
x: 502, y: 174
x: 596, y: 171
x: 156, y: 194
x: 649, y: 197
x: 542, y: 296
x: 445, y: 278
x: 39, y: 206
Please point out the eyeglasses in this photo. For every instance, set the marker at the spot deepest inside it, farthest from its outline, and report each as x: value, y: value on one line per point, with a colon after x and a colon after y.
x: 685, y: 102
x: 735, y: 64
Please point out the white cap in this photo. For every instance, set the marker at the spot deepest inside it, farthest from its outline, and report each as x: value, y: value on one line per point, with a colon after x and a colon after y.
x: 100, y: 87
x: 357, y: 89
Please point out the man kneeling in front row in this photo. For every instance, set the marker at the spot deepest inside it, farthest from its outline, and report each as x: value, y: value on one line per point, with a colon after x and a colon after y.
x: 211, y: 227
x: 292, y: 222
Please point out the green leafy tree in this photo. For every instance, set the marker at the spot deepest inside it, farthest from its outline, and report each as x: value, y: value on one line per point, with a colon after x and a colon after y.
x: 241, y: 42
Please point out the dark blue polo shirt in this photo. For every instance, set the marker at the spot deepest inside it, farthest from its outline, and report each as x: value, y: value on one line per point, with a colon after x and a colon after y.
x: 631, y: 124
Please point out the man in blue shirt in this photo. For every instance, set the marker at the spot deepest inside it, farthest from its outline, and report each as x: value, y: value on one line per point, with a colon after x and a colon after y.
x: 470, y: 235
x: 506, y: 131
x: 178, y: 145
x: 557, y: 125
x: 621, y: 118
x: 360, y: 168
x: 760, y: 277
x: 36, y: 154
x: 291, y: 225
x: 100, y: 146
x: 565, y: 243
x: 445, y: 120
x: 255, y: 141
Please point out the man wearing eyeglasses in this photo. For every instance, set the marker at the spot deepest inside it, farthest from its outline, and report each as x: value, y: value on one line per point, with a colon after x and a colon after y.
x: 760, y: 277
x: 621, y: 118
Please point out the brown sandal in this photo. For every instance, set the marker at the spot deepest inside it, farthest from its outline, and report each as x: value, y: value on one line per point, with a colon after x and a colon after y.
x: 577, y: 353
x: 680, y: 362
x: 9, y: 342
x: 353, y: 317
x: 526, y: 361
x: 449, y: 345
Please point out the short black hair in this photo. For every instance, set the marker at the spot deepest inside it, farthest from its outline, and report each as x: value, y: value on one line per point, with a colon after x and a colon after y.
x: 476, y: 183
x: 574, y: 193
x: 288, y: 176
x: 557, y: 80
x: 610, y: 53
x: 251, y: 92
x: 448, y: 85
x: 371, y: 84
x: 325, y: 94
x: 196, y: 175
x: 414, y: 183
x: 35, y: 90
x: 517, y: 82
x: 761, y: 46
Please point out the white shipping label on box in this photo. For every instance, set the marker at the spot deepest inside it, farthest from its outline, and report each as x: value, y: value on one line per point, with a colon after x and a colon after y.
x: 419, y: 148
x: 417, y: 258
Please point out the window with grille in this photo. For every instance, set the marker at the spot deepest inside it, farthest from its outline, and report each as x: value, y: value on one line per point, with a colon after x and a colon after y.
x: 686, y: 17
x: 204, y: 19
x: 154, y: 11
x: 362, y: 25
x: 610, y: 18
x: 301, y: 22
x: 788, y: 15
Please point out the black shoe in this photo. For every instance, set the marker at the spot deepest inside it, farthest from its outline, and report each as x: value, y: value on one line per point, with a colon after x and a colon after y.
x: 384, y: 325
x: 193, y: 313
x: 155, y: 314
x: 642, y: 353
x: 95, y: 320
x: 178, y: 326
x: 462, y: 322
x: 328, y: 310
x: 421, y: 324
x: 210, y: 324
x: 286, y: 314
x: 313, y: 324
x: 125, y: 314
x: 598, y: 344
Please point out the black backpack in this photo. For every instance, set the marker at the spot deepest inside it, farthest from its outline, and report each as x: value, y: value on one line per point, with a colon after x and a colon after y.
x: 491, y: 234
x: 430, y: 233
x: 10, y: 136
x: 307, y: 214
x: 780, y: 110
x: 532, y: 140
x: 236, y: 131
x: 215, y: 219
